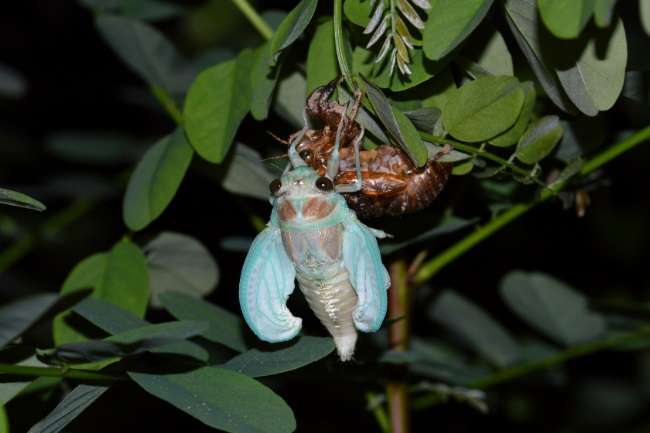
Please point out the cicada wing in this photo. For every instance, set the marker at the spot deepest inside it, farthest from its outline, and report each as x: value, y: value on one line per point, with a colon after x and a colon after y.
x: 267, y: 280
x: 368, y: 276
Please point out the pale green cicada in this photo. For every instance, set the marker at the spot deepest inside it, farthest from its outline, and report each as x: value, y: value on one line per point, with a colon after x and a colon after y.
x: 313, y: 237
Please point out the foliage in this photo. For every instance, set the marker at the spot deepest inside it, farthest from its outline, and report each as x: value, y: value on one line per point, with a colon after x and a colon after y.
x: 151, y: 208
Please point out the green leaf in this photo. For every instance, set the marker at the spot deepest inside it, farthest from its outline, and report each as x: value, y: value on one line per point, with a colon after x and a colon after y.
x: 449, y: 23
x: 216, y: 104
x: 127, y: 343
x: 363, y: 118
x: 147, y: 53
x: 119, y: 276
x: 247, y: 174
x: 512, y: 135
x: 115, y: 320
x: 523, y: 19
x: 290, y: 99
x: 75, y: 402
x: 179, y: 263
x: 263, y: 81
x: 322, y: 66
x: 552, y: 307
x: 566, y: 19
x: 358, y: 11
x: 483, y: 108
x: 539, y: 139
x: 399, y: 127
x: 591, y: 68
x: 18, y: 316
x: 277, y: 358
x: 604, y: 12
x: 476, y: 327
x: 155, y: 180
x: 224, y: 327
x: 644, y: 15
x: 222, y: 399
x: 487, y: 48
x: 13, y: 198
x: 291, y: 28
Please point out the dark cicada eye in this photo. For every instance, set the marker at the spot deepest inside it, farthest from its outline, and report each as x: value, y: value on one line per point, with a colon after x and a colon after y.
x: 307, y: 156
x: 275, y: 186
x: 324, y: 184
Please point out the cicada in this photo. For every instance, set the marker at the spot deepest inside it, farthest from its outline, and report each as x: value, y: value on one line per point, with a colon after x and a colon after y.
x: 391, y: 183
x: 313, y: 237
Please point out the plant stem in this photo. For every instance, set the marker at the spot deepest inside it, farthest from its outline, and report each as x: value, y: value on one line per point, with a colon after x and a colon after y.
x: 338, y: 43
x: 540, y: 364
x: 397, y: 389
x: 431, y: 267
x: 254, y: 18
x: 58, y: 372
x: 168, y: 104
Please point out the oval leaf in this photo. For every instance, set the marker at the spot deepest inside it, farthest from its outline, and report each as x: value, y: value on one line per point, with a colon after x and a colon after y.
x: 156, y: 179
x: 512, y: 135
x: 119, y: 276
x: 398, y: 125
x: 552, y: 307
x: 20, y: 315
x: 449, y: 23
x: 222, y: 399
x: 539, y: 139
x: 147, y: 53
x: 322, y: 65
x: 247, y: 175
x: 523, y: 20
x: 477, y: 327
x: 278, y: 358
x: 75, y: 402
x: 179, y: 263
x: 224, y: 327
x: 263, y: 80
x: 216, y: 104
x: 566, y: 19
x: 483, y: 108
x: 592, y: 67
x: 291, y: 28
x: 13, y: 198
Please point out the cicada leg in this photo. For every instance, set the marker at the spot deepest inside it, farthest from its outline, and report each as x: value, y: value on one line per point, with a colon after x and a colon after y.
x: 294, y: 157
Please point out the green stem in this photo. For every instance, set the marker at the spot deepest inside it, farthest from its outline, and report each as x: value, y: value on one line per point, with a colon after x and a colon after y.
x: 484, y: 154
x: 168, y: 104
x: 58, y: 372
x: 540, y: 364
x: 378, y: 411
x: 254, y: 18
x: 338, y: 43
x: 431, y: 267
x: 558, y: 358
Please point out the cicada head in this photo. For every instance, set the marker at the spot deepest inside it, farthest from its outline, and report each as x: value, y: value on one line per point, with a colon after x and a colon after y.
x: 304, y: 199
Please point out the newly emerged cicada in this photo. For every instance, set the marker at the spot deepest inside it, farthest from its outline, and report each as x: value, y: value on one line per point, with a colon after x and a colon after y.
x: 391, y: 183
x: 313, y: 237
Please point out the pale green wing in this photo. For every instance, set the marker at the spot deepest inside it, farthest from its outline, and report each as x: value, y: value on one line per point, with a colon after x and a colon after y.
x: 267, y: 280
x: 367, y: 274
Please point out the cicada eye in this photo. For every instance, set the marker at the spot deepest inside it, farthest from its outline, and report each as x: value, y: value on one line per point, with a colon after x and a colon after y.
x: 324, y: 184
x: 307, y: 156
x: 275, y: 186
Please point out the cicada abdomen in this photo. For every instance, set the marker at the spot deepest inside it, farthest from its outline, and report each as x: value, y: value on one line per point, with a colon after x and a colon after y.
x: 391, y: 183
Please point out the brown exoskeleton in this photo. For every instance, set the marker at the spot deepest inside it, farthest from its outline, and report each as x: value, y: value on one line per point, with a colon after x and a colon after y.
x: 391, y: 183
